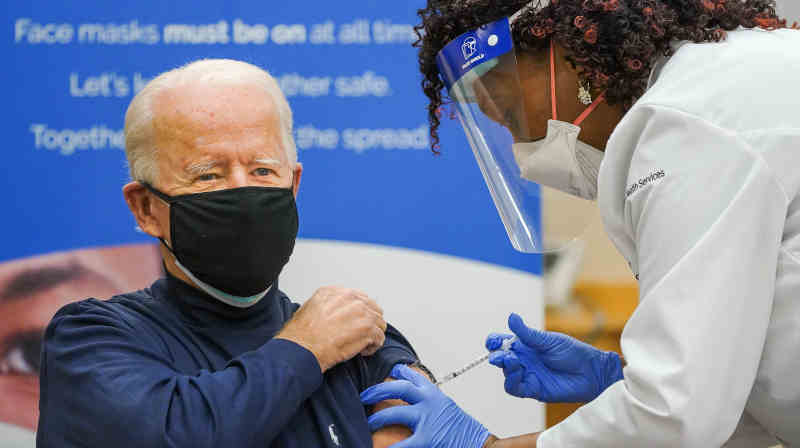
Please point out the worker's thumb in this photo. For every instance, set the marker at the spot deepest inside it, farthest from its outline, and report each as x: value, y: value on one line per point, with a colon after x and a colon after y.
x: 532, y: 338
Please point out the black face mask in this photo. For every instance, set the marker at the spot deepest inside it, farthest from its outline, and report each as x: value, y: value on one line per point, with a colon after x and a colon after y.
x: 235, y: 240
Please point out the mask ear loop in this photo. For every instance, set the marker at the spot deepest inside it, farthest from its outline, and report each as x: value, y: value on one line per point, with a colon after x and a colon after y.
x: 590, y: 109
x: 163, y: 196
x: 168, y: 200
x: 554, y: 103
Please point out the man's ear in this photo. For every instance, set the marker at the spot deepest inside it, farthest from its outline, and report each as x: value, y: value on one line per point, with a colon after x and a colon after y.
x: 145, y: 209
x: 298, y: 173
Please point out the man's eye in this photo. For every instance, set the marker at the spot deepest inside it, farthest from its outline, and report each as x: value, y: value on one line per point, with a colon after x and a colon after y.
x: 262, y: 171
x: 207, y: 177
x: 23, y: 358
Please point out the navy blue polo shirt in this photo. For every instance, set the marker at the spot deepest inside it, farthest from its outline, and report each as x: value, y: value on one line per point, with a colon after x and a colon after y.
x: 170, y: 366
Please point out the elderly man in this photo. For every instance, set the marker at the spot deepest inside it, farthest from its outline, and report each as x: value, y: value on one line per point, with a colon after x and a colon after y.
x: 214, y: 355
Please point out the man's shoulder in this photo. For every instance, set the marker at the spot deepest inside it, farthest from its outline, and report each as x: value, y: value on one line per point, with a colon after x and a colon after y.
x: 288, y: 306
x: 371, y: 370
x: 368, y: 370
x: 122, y: 308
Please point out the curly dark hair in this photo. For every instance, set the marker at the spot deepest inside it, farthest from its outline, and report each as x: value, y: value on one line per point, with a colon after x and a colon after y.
x: 614, y: 43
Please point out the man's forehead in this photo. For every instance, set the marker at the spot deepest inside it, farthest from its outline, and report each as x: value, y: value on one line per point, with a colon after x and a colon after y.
x: 215, y: 105
x: 210, y: 123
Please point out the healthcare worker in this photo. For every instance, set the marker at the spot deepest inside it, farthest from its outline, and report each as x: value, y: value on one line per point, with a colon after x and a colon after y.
x: 693, y: 108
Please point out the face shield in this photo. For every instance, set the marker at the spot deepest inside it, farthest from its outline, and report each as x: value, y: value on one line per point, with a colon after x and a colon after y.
x: 479, y: 69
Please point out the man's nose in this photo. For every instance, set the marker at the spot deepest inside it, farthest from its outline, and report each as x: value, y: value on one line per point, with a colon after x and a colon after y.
x: 239, y: 178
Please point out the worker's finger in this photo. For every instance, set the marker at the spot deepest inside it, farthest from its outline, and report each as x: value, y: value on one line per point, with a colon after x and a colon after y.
x: 535, y: 339
x: 511, y: 362
x: 531, y: 386
x: 400, y: 389
x: 403, y: 372
x: 513, y: 379
x: 396, y: 415
x: 495, y: 340
x: 498, y: 359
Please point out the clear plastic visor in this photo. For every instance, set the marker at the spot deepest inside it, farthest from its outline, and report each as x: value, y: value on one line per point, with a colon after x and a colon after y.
x: 489, y: 102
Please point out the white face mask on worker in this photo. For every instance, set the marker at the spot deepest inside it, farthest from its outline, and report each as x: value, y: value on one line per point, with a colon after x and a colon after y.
x: 561, y: 161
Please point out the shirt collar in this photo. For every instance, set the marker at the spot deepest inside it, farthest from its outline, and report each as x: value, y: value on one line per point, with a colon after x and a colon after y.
x: 661, y: 62
x: 199, y: 308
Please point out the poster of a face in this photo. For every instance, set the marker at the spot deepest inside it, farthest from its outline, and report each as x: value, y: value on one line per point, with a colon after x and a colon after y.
x: 32, y: 290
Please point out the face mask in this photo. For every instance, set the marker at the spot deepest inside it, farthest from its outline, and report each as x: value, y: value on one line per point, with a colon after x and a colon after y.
x: 232, y: 243
x: 560, y: 160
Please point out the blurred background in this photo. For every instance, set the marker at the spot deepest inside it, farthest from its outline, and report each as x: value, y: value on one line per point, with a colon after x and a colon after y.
x: 378, y: 211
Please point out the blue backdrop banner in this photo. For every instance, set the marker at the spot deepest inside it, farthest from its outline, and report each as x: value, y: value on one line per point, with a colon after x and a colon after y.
x: 348, y: 70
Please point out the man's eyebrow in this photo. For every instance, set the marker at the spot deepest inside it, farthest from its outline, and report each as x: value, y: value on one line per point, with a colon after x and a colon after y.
x: 267, y: 161
x: 202, y: 167
x: 31, y: 281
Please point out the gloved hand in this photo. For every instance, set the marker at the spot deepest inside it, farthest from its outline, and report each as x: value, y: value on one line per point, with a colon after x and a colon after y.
x: 552, y: 367
x: 437, y: 422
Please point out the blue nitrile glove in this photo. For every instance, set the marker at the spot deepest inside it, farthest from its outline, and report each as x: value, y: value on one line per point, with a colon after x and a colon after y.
x: 437, y: 422
x: 552, y: 367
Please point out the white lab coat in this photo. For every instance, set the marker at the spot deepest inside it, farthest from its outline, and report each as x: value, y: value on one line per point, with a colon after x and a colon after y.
x: 700, y: 191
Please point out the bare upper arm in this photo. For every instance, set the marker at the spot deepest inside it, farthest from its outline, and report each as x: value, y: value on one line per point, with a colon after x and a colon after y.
x: 389, y: 435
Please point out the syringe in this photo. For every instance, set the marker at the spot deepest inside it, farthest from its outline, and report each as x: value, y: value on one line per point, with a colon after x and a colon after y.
x: 506, y: 345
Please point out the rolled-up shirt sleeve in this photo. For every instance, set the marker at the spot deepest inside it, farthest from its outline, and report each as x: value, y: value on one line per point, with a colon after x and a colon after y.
x: 105, y: 385
x: 706, y: 219
x: 396, y: 350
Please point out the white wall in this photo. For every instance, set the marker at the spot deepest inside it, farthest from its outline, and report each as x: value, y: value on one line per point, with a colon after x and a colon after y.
x: 14, y: 437
x: 444, y: 305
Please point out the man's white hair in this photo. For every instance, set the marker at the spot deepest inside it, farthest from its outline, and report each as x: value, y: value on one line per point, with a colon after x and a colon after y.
x: 139, y: 146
